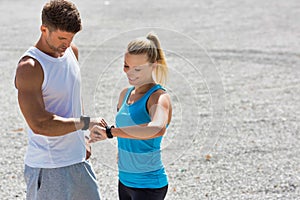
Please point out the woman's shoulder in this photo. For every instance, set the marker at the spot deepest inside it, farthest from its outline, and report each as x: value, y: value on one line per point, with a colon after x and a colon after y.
x: 123, y: 92
x: 122, y: 96
x: 156, y: 95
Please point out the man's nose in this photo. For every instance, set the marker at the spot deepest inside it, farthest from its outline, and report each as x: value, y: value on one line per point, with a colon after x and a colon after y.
x: 67, y: 44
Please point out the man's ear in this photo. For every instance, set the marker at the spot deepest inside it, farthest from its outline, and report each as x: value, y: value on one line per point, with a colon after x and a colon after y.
x: 43, y: 28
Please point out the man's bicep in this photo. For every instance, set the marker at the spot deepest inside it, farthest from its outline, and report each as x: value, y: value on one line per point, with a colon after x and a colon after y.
x: 29, y: 78
x: 32, y: 107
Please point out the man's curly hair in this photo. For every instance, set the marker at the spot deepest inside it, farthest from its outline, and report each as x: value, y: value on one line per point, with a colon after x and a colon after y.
x: 62, y: 15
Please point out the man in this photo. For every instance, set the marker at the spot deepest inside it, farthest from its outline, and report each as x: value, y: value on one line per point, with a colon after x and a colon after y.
x: 48, y: 83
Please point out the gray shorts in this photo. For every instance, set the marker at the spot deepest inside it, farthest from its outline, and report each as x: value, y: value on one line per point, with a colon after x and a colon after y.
x: 75, y: 182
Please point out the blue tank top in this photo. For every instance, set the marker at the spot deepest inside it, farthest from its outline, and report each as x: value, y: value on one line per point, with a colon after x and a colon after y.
x: 140, y: 164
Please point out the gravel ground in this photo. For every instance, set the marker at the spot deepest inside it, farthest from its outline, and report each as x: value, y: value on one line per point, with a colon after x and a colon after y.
x: 234, y: 82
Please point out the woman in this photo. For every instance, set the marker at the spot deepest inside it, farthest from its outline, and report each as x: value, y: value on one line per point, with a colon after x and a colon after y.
x: 144, y: 112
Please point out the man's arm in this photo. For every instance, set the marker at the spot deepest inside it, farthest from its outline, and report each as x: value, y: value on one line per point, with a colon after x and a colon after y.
x: 29, y: 79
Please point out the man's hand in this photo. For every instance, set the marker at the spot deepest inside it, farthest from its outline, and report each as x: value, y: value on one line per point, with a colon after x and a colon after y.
x: 97, y: 133
x: 88, y: 147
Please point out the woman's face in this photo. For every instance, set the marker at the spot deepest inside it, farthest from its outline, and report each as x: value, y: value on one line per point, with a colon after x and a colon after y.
x: 138, y: 69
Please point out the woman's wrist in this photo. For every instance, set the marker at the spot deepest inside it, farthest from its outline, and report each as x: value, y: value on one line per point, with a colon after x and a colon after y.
x: 108, y: 130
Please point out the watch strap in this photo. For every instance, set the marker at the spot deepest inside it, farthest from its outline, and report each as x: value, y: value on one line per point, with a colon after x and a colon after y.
x: 108, y: 131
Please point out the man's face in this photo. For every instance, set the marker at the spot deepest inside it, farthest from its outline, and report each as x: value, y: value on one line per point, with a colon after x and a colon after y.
x: 58, y: 41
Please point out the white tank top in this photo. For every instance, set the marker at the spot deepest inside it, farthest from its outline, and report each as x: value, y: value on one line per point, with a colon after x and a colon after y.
x: 61, y: 95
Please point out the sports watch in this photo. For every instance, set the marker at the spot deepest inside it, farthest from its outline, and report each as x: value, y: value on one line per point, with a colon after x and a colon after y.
x: 108, y: 131
x: 86, y: 121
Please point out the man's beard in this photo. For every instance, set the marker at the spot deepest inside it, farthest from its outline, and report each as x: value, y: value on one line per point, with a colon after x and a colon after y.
x: 53, y: 48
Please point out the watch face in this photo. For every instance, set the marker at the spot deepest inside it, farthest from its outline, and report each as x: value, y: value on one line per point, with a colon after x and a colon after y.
x: 86, y: 121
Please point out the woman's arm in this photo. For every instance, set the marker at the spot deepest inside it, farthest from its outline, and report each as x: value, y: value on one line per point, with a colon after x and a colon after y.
x: 159, y: 108
x: 160, y: 111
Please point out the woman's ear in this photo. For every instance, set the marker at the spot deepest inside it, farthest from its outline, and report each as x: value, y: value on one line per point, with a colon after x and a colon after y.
x: 154, y: 65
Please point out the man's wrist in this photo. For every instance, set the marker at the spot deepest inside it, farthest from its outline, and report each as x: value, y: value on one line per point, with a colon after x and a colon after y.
x: 86, y: 122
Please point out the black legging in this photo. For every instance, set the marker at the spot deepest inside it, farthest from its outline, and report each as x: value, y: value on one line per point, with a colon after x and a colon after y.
x: 128, y: 193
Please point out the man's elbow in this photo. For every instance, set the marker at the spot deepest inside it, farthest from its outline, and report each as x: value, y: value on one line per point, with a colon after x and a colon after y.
x: 39, y: 128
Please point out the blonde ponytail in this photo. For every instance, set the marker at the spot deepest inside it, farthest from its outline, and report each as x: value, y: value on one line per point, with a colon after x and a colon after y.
x: 151, y: 47
x: 161, y: 71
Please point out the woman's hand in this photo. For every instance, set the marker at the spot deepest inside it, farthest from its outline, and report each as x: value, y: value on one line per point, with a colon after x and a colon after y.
x: 103, y: 123
x: 97, y: 133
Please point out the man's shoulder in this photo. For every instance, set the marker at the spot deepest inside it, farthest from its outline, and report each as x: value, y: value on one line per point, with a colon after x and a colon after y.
x: 28, y: 72
x: 28, y: 62
x: 75, y: 50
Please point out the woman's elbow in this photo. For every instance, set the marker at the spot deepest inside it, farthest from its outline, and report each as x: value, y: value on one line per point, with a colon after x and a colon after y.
x: 160, y: 130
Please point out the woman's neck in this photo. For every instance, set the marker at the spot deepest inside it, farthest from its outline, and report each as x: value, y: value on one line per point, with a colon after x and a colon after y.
x: 143, y: 88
